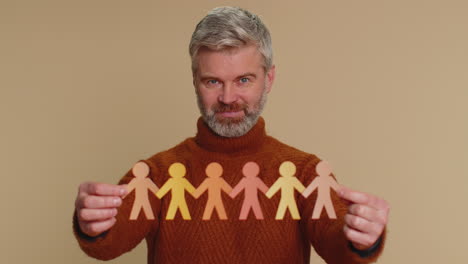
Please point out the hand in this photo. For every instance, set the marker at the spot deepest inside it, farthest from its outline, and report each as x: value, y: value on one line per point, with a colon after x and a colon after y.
x: 366, y: 218
x: 232, y: 195
x: 96, y: 206
x: 196, y: 194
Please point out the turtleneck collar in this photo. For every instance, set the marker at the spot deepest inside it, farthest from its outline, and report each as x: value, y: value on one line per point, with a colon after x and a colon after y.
x: 210, y: 141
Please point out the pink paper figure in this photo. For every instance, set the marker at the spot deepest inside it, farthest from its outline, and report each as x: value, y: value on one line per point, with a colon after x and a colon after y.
x: 323, y: 182
x: 250, y: 184
x: 141, y: 184
x: 214, y: 184
x: 287, y: 183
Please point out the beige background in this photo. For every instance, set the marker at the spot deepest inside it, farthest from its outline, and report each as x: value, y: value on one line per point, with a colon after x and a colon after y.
x: 378, y: 88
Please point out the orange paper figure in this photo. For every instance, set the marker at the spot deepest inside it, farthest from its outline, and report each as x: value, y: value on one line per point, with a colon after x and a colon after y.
x: 323, y: 182
x: 251, y: 184
x: 214, y: 184
x: 177, y: 185
x: 141, y: 184
x: 287, y: 183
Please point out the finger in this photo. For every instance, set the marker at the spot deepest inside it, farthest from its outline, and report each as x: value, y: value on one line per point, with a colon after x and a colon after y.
x: 97, y: 202
x: 103, y: 189
x: 362, y: 198
x: 96, y: 214
x: 366, y: 240
x: 363, y: 225
x: 368, y: 213
x: 96, y: 228
x: 353, y: 196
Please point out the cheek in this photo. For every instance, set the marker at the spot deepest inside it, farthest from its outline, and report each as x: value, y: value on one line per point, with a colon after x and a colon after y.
x: 208, y: 99
x: 253, y: 97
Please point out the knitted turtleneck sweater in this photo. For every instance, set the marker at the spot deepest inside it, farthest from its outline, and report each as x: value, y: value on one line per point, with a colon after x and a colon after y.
x: 231, y: 240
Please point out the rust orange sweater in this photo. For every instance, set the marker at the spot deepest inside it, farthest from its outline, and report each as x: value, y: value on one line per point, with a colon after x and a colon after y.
x: 232, y: 240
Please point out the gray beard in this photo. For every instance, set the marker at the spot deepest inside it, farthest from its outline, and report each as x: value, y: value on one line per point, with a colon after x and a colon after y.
x: 233, y: 128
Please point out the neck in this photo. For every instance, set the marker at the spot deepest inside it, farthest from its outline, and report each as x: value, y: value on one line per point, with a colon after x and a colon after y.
x: 209, y: 140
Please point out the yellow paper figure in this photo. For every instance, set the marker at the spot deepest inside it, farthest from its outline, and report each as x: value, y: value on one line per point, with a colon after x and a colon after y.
x: 141, y: 184
x: 323, y: 182
x: 214, y: 184
x: 287, y: 183
x: 250, y: 184
x: 177, y: 185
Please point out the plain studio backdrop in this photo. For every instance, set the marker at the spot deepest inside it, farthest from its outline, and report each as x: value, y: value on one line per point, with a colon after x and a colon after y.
x: 376, y: 87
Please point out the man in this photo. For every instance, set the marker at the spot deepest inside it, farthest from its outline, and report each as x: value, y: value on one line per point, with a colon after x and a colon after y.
x: 233, y: 72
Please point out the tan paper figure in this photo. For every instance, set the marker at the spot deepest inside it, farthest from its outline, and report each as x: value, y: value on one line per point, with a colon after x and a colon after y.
x: 286, y: 183
x: 323, y: 182
x: 250, y: 184
x: 214, y: 184
x: 177, y: 185
x: 141, y: 184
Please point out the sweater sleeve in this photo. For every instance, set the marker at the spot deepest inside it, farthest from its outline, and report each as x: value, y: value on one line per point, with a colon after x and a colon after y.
x: 327, y: 235
x: 125, y: 234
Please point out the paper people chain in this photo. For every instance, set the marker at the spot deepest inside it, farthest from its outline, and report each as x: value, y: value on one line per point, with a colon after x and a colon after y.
x: 250, y: 184
x: 287, y: 183
x: 323, y: 183
x: 141, y: 184
x: 177, y: 185
x: 214, y: 185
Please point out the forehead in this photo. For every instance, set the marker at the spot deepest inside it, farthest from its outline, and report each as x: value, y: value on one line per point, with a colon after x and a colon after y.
x: 230, y: 62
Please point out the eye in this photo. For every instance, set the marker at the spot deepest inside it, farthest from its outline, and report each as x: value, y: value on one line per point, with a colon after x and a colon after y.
x: 244, y: 80
x: 212, y: 83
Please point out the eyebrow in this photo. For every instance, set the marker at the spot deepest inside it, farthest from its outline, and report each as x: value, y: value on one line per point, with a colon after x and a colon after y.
x: 248, y: 74
x: 209, y: 76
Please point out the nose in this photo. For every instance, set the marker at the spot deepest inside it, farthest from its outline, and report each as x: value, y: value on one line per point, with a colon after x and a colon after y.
x: 228, y: 95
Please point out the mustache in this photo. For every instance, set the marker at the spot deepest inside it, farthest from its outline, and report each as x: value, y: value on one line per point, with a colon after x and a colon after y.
x: 234, y: 107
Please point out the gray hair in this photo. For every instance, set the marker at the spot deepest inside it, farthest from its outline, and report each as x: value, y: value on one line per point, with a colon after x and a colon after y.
x: 231, y: 27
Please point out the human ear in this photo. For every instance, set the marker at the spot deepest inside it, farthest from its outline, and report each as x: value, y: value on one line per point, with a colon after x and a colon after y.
x: 270, y: 78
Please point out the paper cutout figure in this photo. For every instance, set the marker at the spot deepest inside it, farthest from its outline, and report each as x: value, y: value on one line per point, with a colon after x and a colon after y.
x: 323, y: 182
x: 214, y: 184
x: 177, y: 185
x: 250, y: 184
x: 287, y: 183
x: 141, y: 184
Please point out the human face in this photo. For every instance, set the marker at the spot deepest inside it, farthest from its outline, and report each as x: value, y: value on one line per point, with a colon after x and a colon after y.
x: 232, y: 88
